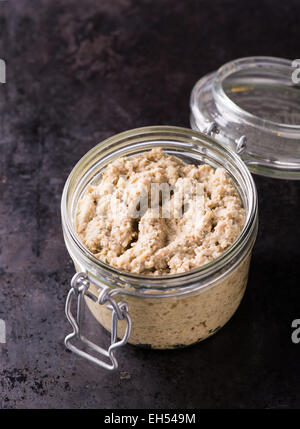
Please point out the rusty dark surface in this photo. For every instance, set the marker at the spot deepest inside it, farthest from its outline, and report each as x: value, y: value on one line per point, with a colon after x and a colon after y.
x: 78, y: 72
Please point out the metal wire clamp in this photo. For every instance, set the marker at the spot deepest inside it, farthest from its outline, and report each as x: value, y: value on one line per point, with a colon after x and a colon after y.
x: 241, y: 143
x: 79, y: 288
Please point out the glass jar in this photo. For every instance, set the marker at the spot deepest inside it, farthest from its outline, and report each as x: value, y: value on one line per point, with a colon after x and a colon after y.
x: 161, y: 312
x: 257, y: 98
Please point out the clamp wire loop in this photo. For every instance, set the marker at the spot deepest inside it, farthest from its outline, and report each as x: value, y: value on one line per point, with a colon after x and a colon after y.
x: 79, y: 286
x: 105, y: 295
x: 211, y: 129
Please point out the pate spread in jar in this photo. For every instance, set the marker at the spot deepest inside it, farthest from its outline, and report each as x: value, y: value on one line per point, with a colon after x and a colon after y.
x: 160, y: 223
x: 188, y: 220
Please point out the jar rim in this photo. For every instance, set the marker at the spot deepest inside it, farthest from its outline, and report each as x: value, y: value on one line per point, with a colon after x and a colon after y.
x: 173, y: 280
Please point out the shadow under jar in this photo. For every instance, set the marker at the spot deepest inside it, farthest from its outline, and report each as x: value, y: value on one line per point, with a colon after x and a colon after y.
x: 161, y: 312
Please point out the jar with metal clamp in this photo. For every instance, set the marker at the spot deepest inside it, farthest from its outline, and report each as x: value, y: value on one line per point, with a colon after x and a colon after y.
x: 156, y: 311
x: 231, y: 113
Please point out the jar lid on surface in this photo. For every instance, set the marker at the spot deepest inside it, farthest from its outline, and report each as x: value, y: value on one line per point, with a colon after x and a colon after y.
x: 252, y: 105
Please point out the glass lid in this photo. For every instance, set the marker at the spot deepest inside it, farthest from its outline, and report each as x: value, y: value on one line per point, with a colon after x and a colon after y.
x: 252, y: 105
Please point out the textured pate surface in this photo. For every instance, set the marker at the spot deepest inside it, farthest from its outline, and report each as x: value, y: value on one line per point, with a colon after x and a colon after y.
x: 202, y: 217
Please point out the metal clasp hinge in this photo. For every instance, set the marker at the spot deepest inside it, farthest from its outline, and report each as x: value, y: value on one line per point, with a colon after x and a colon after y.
x: 241, y: 143
x: 79, y: 287
x: 211, y: 129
